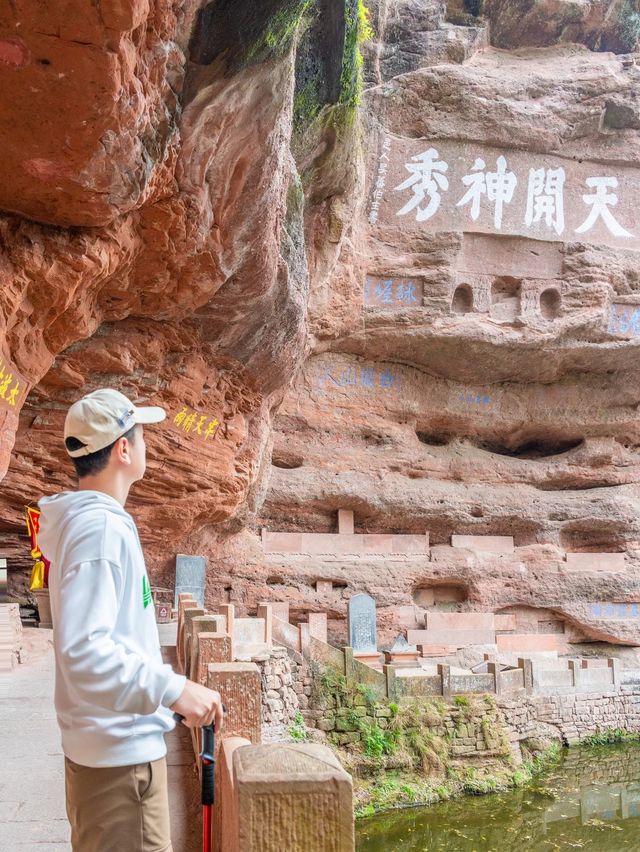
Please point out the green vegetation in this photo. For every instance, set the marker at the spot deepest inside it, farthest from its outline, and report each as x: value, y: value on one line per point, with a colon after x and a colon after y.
x: 629, y: 24
x: 610, y: 737
x: 358, y: 30
x: 276, y: 38
x: 298, y: 731
x: 308, y: 104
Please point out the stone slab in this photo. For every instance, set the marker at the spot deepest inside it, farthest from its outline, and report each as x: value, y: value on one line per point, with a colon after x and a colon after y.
x: 437, y: 650
x: 530, y: 642
x: 296, y: 798
x: 190, y: 576
x: 505, y: 621
x: 361, y: 624
x: 460, y: 621
x: 459, y: 638
x: 484, y: 543
x: 345, y: 522
x: 344, y: 544
x: 400, y: 204
x: 249, y: 631
x: 596, y: 562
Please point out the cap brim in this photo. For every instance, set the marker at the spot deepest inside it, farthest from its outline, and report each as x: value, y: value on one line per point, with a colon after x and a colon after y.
x: 151, y: 414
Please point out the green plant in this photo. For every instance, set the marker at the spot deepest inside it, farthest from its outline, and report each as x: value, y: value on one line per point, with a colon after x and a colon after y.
x: 353, y: 720
x: 377, y: 741
x: 460, y: 700
x: 628, y: 28
x: 368, y: 693
x: 394, y: 708
x: 610, y: 737
x: 280, y: 30
x: 358, y: 30
x: 297, y: 730
x: 334, y: 685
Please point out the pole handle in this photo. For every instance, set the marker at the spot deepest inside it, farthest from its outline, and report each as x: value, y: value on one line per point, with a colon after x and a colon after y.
x: 207, y: 755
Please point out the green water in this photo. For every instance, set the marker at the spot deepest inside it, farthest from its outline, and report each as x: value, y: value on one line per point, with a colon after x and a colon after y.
x: 589, y: 800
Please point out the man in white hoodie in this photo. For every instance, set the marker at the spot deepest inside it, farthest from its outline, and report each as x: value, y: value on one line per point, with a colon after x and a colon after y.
x: 114, y: 696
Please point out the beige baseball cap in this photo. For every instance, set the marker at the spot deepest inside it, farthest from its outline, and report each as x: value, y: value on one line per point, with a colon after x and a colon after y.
x: 101, y: 417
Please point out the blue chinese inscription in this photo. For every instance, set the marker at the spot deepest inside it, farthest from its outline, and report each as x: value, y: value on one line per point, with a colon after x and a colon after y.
x: 392, y: 293
x: 366, y: 377
x: 615, y: 610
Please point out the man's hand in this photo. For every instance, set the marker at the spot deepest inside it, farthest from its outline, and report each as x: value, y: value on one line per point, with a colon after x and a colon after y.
x: 199, y: 706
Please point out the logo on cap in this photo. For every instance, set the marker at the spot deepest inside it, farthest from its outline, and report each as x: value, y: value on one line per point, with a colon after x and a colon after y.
x: 125, y: 417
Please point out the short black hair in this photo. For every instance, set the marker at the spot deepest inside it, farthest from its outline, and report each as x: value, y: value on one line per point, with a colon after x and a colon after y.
x: 94, y: 462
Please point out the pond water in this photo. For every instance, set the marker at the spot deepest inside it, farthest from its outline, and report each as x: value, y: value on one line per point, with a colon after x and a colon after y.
x: 589, y: 800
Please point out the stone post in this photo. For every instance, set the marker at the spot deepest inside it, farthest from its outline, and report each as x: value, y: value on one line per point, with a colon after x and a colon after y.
x: 445, y: 675
x: 527, y: 668
x: 228, y: 610
x: 614, y: 666
x: 349, y: 672
x: 240, y: 687
x: 226, y: 823
x: 265, y: 611
x: 279, y: 610
x: 296, y: 798
x: 496, y: 671
x: 390, y: 674
x: 318, y: 625
x: 190, y: 613
x: 185, y: 599
x: 305, y: 638
x: 199, y: 624
x: 575, y: 667
x: 212, y: 648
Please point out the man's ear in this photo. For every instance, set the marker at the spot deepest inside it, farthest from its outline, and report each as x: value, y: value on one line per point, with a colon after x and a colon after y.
x: 122, y: 450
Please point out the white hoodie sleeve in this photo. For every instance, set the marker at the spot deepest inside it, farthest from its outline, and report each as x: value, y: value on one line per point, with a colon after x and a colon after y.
x: 103, y: 671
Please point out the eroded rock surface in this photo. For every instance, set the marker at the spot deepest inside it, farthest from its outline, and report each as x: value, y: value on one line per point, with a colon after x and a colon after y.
x: 427, y: 312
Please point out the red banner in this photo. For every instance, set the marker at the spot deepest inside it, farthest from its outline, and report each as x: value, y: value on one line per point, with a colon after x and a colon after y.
x: 33, y: 526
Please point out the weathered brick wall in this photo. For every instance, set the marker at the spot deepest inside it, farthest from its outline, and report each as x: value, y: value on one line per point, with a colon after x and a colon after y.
x: 286, y: 687
x: 572, y: 716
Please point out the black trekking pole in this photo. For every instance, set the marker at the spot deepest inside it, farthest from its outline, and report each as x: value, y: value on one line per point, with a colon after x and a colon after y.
x: 207, y: 756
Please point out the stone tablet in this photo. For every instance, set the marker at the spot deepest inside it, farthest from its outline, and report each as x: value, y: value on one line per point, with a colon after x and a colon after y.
x: 362, y: 624
x: 190, y: 577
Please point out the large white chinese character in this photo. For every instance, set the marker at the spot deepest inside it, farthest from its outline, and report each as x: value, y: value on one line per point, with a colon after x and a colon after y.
x: 545, y: 198
x: 426, y: 178
x: 498, y: 186
x: 601, y: 200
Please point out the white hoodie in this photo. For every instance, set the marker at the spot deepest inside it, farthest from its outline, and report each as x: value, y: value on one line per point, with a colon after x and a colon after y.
x: 112, y: 689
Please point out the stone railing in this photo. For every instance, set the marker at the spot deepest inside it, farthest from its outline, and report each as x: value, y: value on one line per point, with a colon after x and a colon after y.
x: 268, y: 797
x: 566, y: 677
x: 531, y: 676
x: 392, y: 682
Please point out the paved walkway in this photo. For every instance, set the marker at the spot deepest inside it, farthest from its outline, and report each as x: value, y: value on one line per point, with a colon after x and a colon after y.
x: 32, y: 810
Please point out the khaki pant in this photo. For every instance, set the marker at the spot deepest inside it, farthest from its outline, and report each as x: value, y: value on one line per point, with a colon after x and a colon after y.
x: 118, y: 809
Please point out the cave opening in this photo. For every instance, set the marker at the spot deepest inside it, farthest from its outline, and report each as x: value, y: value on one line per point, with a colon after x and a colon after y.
x: 462, y: 302
x: 286, y: 461
x: 531, y: 449
x: 550, y: 303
